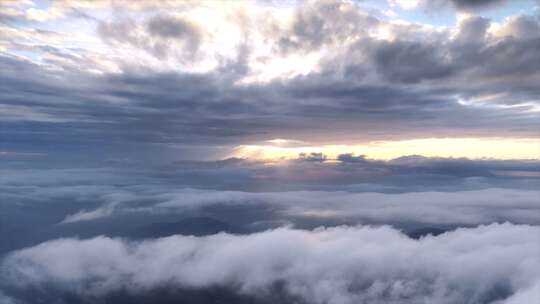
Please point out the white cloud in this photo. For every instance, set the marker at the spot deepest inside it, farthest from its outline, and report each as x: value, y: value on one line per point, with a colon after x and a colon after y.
x: 337, y: 265
x: 84, y: 215
x: 406, y: 4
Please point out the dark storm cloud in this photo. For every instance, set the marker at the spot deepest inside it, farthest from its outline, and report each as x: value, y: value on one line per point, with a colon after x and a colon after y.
x: 497, y: 263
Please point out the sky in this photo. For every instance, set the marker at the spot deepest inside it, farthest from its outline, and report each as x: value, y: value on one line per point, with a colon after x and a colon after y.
x: 127, y: 79
x: 317, y: 152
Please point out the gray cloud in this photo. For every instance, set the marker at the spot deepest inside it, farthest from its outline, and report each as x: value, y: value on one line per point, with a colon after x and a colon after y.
x: 162, y: 36
x: 7, y: 300
x: 411, y: 62
x: 321, y: 23
x: 170, y: 27
x: 463, y: 5
x: 475, y: 4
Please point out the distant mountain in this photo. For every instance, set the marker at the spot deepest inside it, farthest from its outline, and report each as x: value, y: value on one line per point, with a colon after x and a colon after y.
x: 164, y: 295
x: 197, y: 226
x: 424, y: 231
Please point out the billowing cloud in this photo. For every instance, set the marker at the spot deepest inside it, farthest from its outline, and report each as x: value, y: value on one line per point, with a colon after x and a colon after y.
x: 489, y: 264
x: 316, y: 72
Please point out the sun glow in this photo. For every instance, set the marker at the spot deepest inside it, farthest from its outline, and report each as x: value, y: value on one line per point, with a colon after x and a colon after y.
x: 497, y: 148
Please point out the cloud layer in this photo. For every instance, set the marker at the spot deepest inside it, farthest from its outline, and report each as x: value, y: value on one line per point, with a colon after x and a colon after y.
x: 489, y: 264
x: 435, y: 208
x: 239, y: 195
